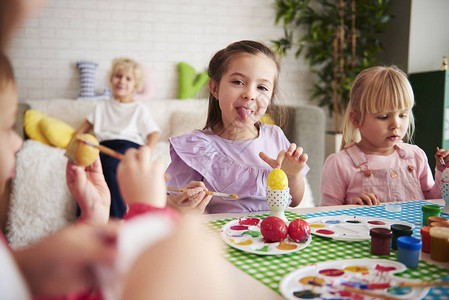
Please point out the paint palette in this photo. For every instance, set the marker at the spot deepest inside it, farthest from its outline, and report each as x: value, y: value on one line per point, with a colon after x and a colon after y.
x: 244, y: 234
x: 349, y: 228
x: 349, y: 279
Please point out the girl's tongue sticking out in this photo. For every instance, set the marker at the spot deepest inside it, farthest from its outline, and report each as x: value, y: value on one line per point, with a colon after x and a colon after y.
x: 244, y: 113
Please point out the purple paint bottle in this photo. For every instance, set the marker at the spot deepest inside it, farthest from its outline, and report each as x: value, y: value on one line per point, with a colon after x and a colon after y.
x: 408, y: 251
x: 380, y: 241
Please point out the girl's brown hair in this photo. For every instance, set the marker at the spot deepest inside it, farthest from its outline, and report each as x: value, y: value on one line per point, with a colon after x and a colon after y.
x: 374, y: 90
x: 218, y: 66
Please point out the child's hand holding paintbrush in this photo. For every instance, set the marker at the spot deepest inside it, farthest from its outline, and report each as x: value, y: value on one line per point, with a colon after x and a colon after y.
x: 84, y: 149
x: 440, y: 156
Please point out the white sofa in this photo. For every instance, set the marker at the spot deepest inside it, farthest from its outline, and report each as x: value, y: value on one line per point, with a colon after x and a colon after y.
x: 40, y: 202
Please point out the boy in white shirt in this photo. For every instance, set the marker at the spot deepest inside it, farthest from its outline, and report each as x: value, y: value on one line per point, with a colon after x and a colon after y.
x: 121, y: 123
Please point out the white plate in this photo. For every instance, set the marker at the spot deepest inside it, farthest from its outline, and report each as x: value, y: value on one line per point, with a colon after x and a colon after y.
x: 248, y: 238
x: 349, y: 228
x: 330, y: 278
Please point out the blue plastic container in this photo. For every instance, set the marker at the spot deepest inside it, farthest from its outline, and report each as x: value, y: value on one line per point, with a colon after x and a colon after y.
x: 408, y: 251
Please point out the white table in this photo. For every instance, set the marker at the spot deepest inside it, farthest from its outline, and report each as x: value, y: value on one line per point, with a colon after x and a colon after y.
x: 254, y: 289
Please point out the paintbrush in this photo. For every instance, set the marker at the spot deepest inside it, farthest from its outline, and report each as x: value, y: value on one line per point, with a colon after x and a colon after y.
x: 109, y: 151
x: 368, y: 293
x: 358, y: 291
x: 423, y: 283
x: 410, y: 284
x: 102, y: 149
x: 208, y: 192
x: 442, y: 162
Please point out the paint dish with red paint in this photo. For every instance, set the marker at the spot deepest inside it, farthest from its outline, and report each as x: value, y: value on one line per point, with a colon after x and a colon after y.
x: 249, y: 221
x: 248, y: 238
x: 325, y: 231
x: 329, y: 280
x: 239, y: 227
x: 376, y: 222
x: 350, y: 228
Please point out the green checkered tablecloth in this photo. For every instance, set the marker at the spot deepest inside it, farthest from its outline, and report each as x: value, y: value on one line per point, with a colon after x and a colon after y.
x: 270, y: 269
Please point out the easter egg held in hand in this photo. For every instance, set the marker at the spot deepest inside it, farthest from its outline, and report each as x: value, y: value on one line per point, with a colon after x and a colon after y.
x: 80, y: 153
x: 277, y: 179
x: 299, y: 230
x: 273, y: 229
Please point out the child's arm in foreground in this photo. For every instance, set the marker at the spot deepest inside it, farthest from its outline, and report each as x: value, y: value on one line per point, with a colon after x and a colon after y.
x: 64, y: 262
x: 291, y: 161
x: 140, y: 180
x: 161, y: 263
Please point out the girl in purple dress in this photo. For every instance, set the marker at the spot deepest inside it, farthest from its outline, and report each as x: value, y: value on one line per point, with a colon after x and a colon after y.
x: 234, y: 153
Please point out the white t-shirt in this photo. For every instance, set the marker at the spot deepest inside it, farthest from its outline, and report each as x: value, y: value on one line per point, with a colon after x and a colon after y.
x: 113, y: 120
x: 12, y: 285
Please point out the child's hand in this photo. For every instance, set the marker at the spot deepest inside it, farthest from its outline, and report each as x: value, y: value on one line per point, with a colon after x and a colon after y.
x: 291, y: 161
x: 193, y: 200
x: 90, y: 191
x: 191, y: 254
x: 64, y: 262
x: 441, y: 158
x: 140, y: 180
x: 366, y: 199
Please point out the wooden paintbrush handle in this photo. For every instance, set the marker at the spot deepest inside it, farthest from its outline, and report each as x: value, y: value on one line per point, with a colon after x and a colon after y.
x: 368, y: 293
x: 109, y: 152
x: 208, y: 192
x: 182, y: 190
x: 423, y: 283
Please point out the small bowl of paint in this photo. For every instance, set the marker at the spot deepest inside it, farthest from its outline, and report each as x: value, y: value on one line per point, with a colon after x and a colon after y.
x: 393, y: 207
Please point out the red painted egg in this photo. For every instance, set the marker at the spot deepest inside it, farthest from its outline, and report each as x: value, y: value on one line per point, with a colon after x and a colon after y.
x: 273, y: 229
x: 299, y: 230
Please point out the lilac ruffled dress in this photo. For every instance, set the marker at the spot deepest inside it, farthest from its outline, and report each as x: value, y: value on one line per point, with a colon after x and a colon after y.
x: 231, y: 167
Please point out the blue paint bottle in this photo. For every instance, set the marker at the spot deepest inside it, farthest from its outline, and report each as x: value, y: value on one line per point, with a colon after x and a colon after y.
x: 409, y: 249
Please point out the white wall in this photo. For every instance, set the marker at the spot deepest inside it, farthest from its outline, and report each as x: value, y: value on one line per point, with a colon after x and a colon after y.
x: 429, y: 35
x: 159, y: 34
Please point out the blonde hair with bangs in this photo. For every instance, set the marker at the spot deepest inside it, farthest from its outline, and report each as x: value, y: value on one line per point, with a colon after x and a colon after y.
x: 375, y: 90
x: 128, y: 64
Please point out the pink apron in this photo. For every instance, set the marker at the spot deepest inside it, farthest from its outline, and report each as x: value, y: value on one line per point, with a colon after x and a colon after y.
x: 390, y: 185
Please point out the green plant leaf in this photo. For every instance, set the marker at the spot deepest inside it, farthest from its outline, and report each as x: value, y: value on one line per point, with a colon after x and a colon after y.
x: 312, y: 26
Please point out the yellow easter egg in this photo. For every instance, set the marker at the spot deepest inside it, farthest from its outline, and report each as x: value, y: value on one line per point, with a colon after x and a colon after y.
x: 277, y: 179
x: 80, y: 153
